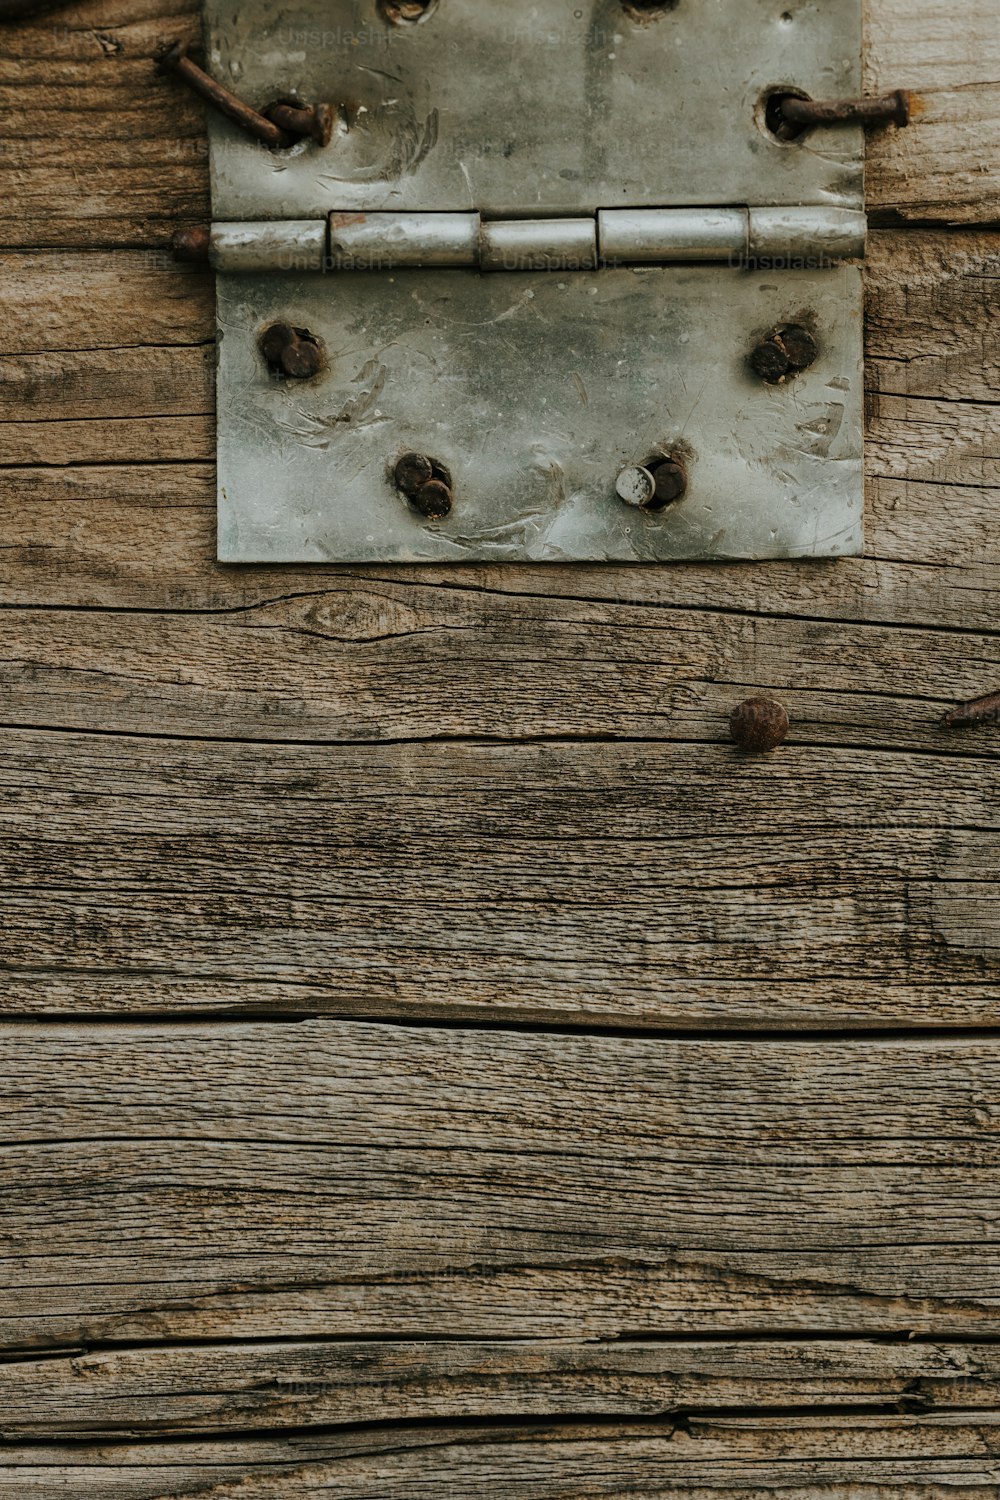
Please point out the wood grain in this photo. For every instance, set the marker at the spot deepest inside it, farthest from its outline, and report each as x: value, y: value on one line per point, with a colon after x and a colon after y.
x: 672, y: 886
x: 216, y: 1391
x: 800, y: 1458
x: 215, y: 1181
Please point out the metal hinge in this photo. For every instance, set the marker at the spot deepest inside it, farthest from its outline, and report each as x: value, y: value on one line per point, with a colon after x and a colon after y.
x: 671, y: 367
x: 800, y: 238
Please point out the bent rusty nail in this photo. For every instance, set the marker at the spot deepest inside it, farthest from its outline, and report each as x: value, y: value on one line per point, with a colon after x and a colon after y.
x: 978, y: 711
x: 174, y: 59
x: 313, y: 120
x: 892, y: 108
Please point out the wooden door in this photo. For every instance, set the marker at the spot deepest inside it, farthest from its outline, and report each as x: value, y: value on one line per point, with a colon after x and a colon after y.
x: 435, y: 1063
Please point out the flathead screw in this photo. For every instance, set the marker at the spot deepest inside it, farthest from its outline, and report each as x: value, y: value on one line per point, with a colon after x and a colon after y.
x: 412, y: 471
x: 671, y: 483
x: 292, y: 352
x: 758, y: 725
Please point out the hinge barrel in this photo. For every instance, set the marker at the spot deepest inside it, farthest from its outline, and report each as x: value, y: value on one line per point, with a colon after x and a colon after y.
x: 803, y: 238
x: 376, y: 242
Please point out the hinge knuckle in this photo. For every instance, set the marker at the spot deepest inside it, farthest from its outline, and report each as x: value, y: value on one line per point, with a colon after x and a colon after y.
x: 806, y: 238
x: 539, y: 245
x: 381, y: 241
x: 271, y: 245
x: 630, y: 235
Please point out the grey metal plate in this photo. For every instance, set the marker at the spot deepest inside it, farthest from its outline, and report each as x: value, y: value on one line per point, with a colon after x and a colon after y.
x: 534, y: 390
x: 534, y: 106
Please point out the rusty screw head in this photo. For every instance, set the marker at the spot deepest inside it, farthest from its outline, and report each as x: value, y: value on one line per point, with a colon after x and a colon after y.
x: 759, y: 724
x: 652, y: 485
x: 292, y: 352
x: 784, y: 353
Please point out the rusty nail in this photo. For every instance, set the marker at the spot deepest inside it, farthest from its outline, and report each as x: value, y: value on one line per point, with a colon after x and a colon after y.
x: 314, y: 121
x: 292, y: 352
x: 653, y: 485
x: 804, y: 114
x: 412, y: 472
x: 425, y: 483
x: 433, y: 500
x: 670, y: 483
x: 784, y: 352
x: 192, y: 245
x: 174, y: 59
x: 979, y: 711
x: 758, y: 724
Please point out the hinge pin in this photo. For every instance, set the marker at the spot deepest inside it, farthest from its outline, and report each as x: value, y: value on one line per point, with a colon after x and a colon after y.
x: 805, y: 114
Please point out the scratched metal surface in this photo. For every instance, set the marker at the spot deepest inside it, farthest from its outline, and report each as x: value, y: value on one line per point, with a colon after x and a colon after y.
x: 534, y: 106
x: 534, y: 389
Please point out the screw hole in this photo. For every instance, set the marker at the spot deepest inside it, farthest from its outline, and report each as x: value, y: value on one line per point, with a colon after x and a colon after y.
x: 406, y: 12
x: 648, y: 10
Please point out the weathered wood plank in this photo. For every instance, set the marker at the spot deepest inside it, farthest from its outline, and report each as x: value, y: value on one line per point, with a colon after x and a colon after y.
x: 881, y: 1458
x: 597, y: 884
x: 943, y: 167
x: 351, y: 661
x: 268, y: 1180
x: 217, y: 1390
x: 82, y: 102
